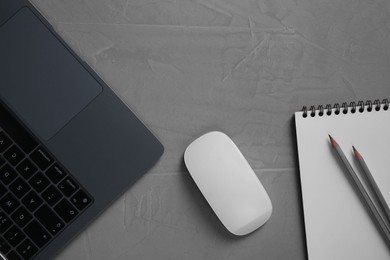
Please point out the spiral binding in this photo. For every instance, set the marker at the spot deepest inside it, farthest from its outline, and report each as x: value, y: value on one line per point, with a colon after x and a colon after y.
x: 344, y: 108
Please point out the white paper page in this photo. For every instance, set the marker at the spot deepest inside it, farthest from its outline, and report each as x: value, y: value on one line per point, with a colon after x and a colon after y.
x: 338, y: 226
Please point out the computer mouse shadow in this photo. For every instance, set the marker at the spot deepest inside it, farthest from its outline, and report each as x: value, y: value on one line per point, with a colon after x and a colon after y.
x: 206, y: 213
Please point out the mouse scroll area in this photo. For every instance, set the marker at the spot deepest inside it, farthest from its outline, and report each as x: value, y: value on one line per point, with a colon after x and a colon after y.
x: 228, y: 183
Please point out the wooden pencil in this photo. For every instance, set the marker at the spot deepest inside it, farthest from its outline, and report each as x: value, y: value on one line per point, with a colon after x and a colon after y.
x: 364, y: 194
x: 374, y: 187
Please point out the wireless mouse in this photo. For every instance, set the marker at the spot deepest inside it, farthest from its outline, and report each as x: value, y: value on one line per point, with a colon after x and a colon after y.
x: 228, y: 183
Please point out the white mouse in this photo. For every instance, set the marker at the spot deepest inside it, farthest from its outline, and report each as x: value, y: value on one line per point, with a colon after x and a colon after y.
x: 228, y: 183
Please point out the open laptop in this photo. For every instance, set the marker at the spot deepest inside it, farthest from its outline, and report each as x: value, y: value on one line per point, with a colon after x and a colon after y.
x: 68, y: 146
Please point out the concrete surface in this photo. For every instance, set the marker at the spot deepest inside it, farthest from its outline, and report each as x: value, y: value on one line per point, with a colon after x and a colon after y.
x: 243, y: 67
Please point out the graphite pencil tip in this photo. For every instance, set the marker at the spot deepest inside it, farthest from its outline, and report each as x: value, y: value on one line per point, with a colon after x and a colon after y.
x: 332, y: 141
x: 357, y: 154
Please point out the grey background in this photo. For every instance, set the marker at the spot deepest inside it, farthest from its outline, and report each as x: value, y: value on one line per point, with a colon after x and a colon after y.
x: 186, y: 67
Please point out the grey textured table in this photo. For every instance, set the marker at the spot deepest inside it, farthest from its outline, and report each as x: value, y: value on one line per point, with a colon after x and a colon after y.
x: 243, y: 67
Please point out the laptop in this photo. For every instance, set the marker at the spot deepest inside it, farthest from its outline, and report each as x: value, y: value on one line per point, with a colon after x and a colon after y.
x: 69, y: 146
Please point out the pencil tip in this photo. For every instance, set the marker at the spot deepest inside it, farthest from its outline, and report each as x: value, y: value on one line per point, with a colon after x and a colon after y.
x: 357, y: 154
x: 332, y: 141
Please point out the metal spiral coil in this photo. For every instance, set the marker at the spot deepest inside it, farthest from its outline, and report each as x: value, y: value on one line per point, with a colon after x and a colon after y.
x: 361, y: 106
x: 345, y: 107
x: 377, y: 104
x: 353, y: 107
x: 328, y: 109
x: 369, y: 104
x: 337, y: 107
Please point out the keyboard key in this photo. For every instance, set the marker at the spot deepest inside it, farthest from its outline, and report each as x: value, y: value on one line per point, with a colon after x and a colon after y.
x: 49, y: 219
x: 80, y: 200
x: 5, y: 222
x: 13, y: 256
x: 55, y: 173
x: 2, y: 161
x: 30, y: 217
x: 26, y: 168
x: 14, y: 155
x: 37, y: 233
x: 5, y: 142
x: 51, y: 195
x: 16, y: 131
x: 9, y: 203
x: 39, y: 182
x: 19, y: 187
x: 21, y: 217
x: 27, y: 249
x: 68, y: 186
x: 32, y: 201
x: 3, y: 190
x: 41, y: 158
x: 4, y: 246
x: 7, y: 174
x: 14, y: 236
x: 66, y: 211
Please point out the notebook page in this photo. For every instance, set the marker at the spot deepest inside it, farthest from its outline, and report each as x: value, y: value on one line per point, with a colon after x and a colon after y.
x: 338, y: 226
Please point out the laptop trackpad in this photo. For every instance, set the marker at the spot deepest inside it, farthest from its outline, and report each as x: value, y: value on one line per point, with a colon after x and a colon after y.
x: 39, y: 78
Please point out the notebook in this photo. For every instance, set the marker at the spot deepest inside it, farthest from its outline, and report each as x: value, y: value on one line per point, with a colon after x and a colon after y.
x: 338, y: 226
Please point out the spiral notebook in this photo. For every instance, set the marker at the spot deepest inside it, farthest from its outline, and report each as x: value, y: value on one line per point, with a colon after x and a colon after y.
x: 338, y: 226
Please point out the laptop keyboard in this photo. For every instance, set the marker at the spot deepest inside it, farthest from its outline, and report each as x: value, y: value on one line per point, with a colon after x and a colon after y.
x: 38, y: 197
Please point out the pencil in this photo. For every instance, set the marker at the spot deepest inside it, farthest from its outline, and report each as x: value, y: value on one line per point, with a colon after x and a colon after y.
x: 374, y: 186
x: 362, y: 191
